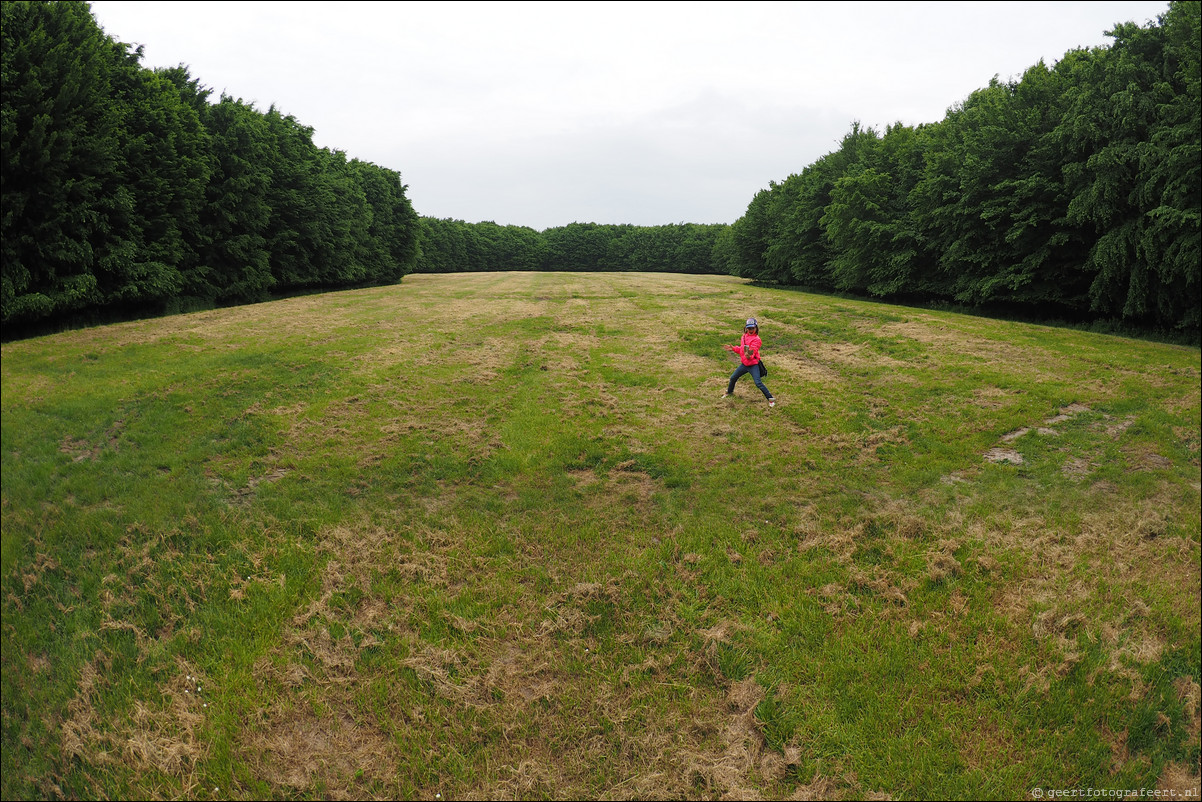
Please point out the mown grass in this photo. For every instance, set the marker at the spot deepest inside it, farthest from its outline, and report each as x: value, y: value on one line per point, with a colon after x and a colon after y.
x: 496, y: 535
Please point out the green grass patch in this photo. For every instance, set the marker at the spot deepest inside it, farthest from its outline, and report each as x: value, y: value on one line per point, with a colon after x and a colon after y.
x: 319, y: 547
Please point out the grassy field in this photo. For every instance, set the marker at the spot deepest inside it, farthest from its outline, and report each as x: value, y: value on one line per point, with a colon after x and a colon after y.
x: 497, y: 536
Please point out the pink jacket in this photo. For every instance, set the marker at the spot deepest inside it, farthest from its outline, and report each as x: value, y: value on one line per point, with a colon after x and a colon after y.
x: 750, y: 348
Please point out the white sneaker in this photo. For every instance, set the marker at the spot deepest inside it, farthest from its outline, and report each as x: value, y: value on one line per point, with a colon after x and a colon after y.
x: 771, y: 402
x: 726, y: 395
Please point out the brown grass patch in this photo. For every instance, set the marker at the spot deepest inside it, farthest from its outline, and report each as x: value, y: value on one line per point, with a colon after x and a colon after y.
x: 296, y: 748
x: 1182, y: 779
x: 518, y: 687
x: 991, y: 397
x: 864, y: 444
x: 1117, y: 552
x: 484, y: 363
x: 847, y: 354
x: 697, y: 367
x: 1000, y: 454
x: 942, y: 563
x: 163, y: 735
x: 80, y: 449
x: 316, y: 731
x: 33, y: 573
x: 245, y: 494
x: 883, y: 584
x: 800, y: 369
x: 622, y: 493
x: 931, y: 331
x: 584, y: 477
x: 1144, y: 458
x: 567, y: 611
x: 542, y: 713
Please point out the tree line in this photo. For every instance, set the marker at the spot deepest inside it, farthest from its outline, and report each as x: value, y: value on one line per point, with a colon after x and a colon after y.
x: 128, y: 191
x: 1071, y: 192
x: 453, y: 246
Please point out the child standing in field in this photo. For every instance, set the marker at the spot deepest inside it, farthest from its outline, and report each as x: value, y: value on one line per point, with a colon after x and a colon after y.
x: 748, y: 351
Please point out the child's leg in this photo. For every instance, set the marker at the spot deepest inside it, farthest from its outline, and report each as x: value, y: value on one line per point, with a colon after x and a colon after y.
x: 740, y: 371
x: 755, y: 376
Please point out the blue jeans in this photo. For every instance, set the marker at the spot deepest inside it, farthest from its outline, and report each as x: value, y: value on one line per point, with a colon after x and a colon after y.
x: 754, y: 370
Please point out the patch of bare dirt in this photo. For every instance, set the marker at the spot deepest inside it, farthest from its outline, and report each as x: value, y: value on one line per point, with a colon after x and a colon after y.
x: 1000, y: 454
x: 1004, y: 455
x: 1077, y: 467
x: 1067, y: 413
x: 1144, y: 458
x: 1017, y: 433
x: 991, y: 397
x: 1114, y: 428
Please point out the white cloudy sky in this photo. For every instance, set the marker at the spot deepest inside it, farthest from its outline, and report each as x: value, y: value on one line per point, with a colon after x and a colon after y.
x: 545, y: 113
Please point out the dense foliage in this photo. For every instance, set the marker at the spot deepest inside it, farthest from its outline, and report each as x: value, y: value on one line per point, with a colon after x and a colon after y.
x: 453, y: 246
x: 127, y: 191
x: 1073, y: 191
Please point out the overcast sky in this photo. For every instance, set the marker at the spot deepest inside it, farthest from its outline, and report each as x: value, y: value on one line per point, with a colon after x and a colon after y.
x: 542, y: 114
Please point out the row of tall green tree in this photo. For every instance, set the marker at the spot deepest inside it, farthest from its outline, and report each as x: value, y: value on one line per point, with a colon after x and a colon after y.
x: 127, y: 191
x: 1073, y: 192
x: 453, y: 246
